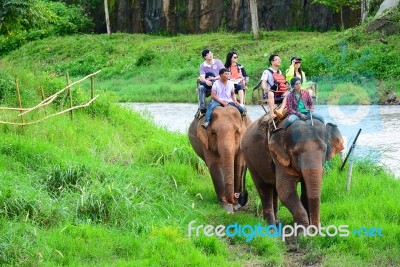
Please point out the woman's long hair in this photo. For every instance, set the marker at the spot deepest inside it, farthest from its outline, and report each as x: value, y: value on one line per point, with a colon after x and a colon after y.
x: 301, y: 74
x: 228, y: 61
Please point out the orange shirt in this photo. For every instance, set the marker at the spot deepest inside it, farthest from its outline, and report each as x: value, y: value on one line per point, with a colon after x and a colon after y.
x: 235, y: 74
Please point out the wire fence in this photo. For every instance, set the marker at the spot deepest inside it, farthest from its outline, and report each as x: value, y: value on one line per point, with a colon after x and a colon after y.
x: 46, y: 101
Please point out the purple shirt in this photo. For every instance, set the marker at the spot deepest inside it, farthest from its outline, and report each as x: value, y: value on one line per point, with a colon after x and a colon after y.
x: 292, y: 103
x: 213, y: 68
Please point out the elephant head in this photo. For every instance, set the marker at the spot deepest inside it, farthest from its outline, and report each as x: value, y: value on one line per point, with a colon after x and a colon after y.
x: 218, y: 146
x: 299, y: 153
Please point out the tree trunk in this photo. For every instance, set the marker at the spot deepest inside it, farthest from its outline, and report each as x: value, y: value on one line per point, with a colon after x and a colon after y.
x: 364, y: 9
x: 107, y: 17
x: 254, y: 18
x: 341, y: 18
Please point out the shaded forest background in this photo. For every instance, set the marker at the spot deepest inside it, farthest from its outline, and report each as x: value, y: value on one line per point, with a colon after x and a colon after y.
x: 199, y: 16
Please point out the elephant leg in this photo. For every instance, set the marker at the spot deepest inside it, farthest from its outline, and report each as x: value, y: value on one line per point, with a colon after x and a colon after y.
x: 275, y: 200
x: 218, y: 181
x: 266, y: 192
x: 286, y: 186
x: 304, y: 199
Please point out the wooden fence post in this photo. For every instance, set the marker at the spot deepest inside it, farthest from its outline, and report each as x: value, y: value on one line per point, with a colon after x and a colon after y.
x: 91, y: 87
x: 19, y: 101
x: 70, y: 97
x: 42, y: 95
x: 349, y: 173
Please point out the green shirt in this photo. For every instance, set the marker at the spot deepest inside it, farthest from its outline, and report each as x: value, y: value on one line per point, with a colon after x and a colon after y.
x: 301, y: 107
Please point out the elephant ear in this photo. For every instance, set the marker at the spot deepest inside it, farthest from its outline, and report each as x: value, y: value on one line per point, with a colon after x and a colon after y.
x: 202, y: 134
x: 277, y: 147
x: 335, y: 141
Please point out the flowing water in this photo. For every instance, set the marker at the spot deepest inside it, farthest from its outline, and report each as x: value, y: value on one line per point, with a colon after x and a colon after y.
x: 379, y: 138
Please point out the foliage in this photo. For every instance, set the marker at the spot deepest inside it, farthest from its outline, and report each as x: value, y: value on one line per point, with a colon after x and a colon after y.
x: 337, y: 5
x: 24, y: 21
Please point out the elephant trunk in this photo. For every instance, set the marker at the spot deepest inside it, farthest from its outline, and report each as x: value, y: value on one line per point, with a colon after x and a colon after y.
x: 311, y: 165
x: 227, y: 151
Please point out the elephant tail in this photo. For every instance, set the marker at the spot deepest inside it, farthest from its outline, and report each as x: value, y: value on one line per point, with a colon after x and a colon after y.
x: 244, y: 195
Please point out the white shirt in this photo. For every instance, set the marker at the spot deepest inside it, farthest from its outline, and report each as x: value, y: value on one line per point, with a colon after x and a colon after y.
x: 224, y: 92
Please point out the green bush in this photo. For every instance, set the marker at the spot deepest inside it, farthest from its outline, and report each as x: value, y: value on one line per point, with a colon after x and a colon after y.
x: 38, y: 19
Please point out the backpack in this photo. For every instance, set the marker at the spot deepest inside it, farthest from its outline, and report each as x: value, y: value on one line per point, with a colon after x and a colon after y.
x: 279, y: 81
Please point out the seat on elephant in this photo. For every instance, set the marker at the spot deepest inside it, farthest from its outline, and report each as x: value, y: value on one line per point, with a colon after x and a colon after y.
x: 261, y: 97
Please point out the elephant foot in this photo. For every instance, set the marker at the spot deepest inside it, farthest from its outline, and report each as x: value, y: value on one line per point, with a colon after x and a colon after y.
x: 228, y: 207
x: 237, y: 207
x: 269, y: 216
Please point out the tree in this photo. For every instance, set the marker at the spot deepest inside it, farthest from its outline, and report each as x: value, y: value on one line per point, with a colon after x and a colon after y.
x: 14, y: 14
x: 107, y: 17
x: 338, y: 5
x: 364, y: 9
x: 254, y: 17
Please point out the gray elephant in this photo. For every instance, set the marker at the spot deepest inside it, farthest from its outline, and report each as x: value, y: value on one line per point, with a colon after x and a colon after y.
x: 218, y: 146
x: 279, y: 159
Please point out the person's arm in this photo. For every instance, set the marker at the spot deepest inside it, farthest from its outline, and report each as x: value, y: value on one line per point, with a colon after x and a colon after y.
x: 309, y: 101
x: 264, y: 81
x: 290, y: 74
x: 233, y: 95
x: 244, y: 75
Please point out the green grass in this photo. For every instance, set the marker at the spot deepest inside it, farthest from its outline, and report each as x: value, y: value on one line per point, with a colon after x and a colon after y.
x: 110, y: 188
x: 145, y: 68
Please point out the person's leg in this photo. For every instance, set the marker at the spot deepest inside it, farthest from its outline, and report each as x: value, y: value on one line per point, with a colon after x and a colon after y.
x: 271, y: 103
x: 239, y: 91
x: 316, y: 116
x: 292, y: 118
x: 210, y: 109
x: 240, y: 108
x: 201, y: 90
x: 279, y: 111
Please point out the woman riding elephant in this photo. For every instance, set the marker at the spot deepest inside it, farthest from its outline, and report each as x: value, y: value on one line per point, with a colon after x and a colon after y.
x: 218, y: 146
x: 280, y: 159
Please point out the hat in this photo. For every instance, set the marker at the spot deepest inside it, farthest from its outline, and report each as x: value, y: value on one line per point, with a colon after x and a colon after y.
x: 297, y: 59
x: 205, y: 52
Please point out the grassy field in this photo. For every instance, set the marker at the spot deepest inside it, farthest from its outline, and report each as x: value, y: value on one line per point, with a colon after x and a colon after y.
x: 144, y: 68
x: 110, y: 188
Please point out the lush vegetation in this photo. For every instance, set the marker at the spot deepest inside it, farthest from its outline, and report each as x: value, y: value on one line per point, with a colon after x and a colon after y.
x: 22, y: 21
x: 110, y: 188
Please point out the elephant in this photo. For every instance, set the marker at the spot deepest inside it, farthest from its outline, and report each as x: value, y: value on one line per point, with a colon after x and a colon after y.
x: 278, y: 159
x: 218, y: 147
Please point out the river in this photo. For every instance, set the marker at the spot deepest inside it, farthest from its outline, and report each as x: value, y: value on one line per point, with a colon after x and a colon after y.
x: 378, y: 139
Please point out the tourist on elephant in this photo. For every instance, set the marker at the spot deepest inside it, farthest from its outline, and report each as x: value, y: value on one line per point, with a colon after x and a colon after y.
x: 293, y: 71
x: 238, y: 75
x: 300, y: 104
x: 222, y: 94
x: 209, y: 70
x: 269, y: 82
